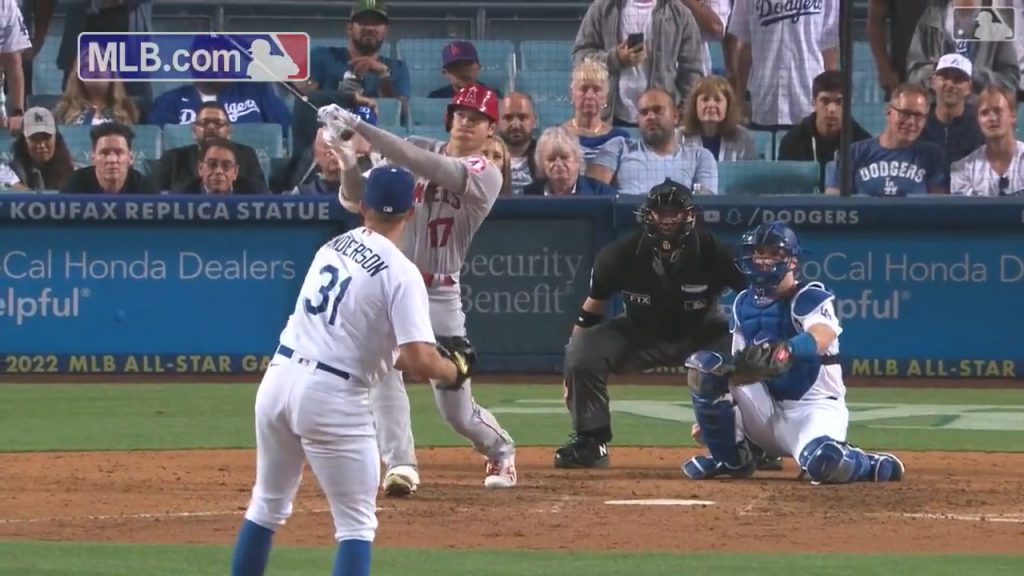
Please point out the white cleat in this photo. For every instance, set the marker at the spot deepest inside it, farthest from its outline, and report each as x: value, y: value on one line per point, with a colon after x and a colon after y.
x: 401, y: 481
x: 501, y: 474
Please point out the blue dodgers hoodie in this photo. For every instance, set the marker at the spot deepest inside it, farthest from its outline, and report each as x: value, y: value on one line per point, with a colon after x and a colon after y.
x: 958, y: 138
x: 245, y: 102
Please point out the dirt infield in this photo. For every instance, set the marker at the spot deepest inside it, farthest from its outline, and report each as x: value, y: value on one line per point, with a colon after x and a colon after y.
x: 198, y: 497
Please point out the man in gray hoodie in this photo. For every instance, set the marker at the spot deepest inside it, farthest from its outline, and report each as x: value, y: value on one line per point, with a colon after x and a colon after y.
x: 994, y: 62
x: 667, y: 51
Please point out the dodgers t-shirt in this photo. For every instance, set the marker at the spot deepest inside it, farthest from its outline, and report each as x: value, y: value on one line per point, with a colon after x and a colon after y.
x: 879, y: 171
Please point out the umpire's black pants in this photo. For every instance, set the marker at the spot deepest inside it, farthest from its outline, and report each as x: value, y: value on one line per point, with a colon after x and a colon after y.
x: 621, y: 347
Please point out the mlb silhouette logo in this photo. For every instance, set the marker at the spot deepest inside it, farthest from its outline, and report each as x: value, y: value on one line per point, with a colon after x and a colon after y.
x: 988, y: 24
x: 276, y: 56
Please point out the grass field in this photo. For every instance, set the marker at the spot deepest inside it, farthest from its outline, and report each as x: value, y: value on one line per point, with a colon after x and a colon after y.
x: 119, y: 417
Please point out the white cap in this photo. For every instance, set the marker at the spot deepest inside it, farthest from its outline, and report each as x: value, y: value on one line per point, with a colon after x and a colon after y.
x: 955, y: 62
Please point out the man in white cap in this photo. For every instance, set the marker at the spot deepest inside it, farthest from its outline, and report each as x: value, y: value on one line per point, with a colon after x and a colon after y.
x: 953, y: 121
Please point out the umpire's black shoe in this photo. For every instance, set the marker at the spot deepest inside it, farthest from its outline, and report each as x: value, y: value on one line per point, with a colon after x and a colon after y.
x: 770, y: 463
x: 582, y: 452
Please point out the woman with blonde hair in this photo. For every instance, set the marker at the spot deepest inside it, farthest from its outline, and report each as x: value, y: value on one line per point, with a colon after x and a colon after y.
x: 497, y: 152
x: 95, y: 102
x: 559, y: 159
x: 589, y: 93
x: 712, y: 120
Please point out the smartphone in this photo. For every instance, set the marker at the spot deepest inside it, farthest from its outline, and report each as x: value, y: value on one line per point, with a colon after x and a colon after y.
x: 634, y: 40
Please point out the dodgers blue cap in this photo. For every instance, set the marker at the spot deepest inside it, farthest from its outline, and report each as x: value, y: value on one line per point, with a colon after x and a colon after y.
x: 389, y: 190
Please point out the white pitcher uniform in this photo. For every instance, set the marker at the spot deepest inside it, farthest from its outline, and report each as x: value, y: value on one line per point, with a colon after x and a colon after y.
x: 361, y: 299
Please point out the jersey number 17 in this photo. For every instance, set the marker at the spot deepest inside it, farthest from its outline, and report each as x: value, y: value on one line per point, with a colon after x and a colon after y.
x: 325, y: 294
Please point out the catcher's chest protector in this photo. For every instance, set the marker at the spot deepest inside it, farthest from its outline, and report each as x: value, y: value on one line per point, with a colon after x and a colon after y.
x: 776, y: 322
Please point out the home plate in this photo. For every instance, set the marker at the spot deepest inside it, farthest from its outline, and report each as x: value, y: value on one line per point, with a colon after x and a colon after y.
x: 659, y: 502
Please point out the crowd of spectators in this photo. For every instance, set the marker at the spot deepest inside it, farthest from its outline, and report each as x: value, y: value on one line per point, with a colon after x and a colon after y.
x: 646, y: 101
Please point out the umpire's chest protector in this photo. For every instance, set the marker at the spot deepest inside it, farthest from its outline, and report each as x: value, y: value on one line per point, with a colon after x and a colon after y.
x: 780, y: 320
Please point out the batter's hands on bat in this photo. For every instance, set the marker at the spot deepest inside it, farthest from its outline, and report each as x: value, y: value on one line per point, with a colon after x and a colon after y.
x: 460, y: 351
x: 758, y: 362
x: 337, y: 120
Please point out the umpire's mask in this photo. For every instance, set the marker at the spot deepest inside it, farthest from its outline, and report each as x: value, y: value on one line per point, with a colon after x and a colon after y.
x: 668, y: 216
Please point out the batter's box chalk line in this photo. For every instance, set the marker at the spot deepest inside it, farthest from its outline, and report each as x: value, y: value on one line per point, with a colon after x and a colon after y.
x: 156, y: 516
x: 1007, y: 518
x: 660, y: 502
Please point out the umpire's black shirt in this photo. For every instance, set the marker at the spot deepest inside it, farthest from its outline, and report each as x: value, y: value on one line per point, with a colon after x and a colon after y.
x: 672, y: 304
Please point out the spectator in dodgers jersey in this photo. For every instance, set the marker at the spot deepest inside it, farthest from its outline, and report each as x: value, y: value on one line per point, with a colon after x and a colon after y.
x: 460, y: 65
x: 559, y: 159
x: 636, y: 166
x: 992, y: 62
x: 218, y: 169
x: 711, y: 120
x: 953, y: 122
x: 360, y: 67
x: 897, y: 162
x: 516, y: 123
x: 669, y: 58
x: 111, y: 171
x: 589, y: 92
x: 245, y: 102
x: 997, y: 167
x: 179, y: 166
x: 816, y: 138
x: 782, y: 47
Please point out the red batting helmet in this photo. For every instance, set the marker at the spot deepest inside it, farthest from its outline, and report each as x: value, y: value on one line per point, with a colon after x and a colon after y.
x: 476, y: 97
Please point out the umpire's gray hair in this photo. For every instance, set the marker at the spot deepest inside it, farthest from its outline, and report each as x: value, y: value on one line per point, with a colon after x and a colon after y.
x: 556, y: 138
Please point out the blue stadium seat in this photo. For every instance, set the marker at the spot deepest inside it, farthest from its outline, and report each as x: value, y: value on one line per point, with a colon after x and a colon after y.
x: 46, y: 77
x: 389, y: 112
x: 552, y: 113
x: 427, y: 112
x: 177, y: 135
x: 870, y: 116
x: 6, y: 142
x: 435, y: 132
x: 425, y: 53
x: 865, y: 87
x: 161, y: 87
x: 717, y: 58
x: 48, y: 101
x: 862, y: 57
x: 497, y: 79
x: 148, y: 144
x: 265, y: 138
x: 426, y: 81
x: 758, y: 178
x: 763, y: 142
x: 76, y: 136
x: 544, y: 84
x: 546, y: 55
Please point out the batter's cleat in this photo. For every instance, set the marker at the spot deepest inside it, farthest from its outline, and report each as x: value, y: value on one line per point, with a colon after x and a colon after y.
x: 582, y: 452
x: 705, y: 467
x: 886, y: 467
x: 401, y: 481
x: 501, y: 474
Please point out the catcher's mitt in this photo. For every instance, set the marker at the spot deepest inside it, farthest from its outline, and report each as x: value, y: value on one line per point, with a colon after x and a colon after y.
x: 460, y: 351
x: 758, y: 362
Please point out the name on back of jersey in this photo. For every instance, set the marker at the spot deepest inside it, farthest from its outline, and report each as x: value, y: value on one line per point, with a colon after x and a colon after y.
x: 349, y: 247
x: 430, y: 193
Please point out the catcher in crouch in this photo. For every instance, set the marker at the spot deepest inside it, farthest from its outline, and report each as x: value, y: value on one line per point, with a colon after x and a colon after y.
x: 783, y: 391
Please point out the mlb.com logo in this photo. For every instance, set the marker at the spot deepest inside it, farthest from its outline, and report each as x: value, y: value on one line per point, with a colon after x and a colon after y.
x: 985, y: 24
x: 179, y: 57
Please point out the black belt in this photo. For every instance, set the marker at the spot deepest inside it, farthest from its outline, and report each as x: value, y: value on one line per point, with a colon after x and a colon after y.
x: 288, y: 352
x: 830, y: 360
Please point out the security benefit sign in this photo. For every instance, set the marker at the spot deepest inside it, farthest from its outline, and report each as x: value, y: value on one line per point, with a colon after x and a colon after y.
x: 523, y: 282
x: 177, y: 57
x: 160, y: 299
x: 943, y: 305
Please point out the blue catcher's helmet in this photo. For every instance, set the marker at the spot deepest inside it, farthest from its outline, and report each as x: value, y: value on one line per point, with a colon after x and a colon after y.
x: 778, y: 247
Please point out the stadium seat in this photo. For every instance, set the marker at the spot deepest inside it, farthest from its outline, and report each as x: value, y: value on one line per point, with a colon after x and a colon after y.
x: 162, y: 87
x: 435, y: 132
x: 717, y: 58
x: 389, y: 112
x: 865, y: 87
x: 46, y: 77
x: 763, y: 143
x: 148, y: 144
x: 426, y: 81
x: 76, y: 136
x: 425, y: 53
x: 863, y: 60
x: 758, y: 178
x: 497, y: 79
x: 177, y: 135
x: 553, y: 113
x: 546, y: 55
x: 870, y: 116
x: 6, y: 144
x: 48, y: 101
x: 265, y: 138
x: 544, y: 84
x: 427, y: 112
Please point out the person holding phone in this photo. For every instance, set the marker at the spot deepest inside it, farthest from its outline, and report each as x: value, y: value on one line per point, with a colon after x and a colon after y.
x: 646, y: 44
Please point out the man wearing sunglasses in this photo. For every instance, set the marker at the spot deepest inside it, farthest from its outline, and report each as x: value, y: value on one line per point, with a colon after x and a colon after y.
x: 896, y: 162
x: 997, y: 167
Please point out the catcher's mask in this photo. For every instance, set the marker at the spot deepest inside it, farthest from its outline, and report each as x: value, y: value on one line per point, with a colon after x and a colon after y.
x: 668, y: 216
x: 767, y: 254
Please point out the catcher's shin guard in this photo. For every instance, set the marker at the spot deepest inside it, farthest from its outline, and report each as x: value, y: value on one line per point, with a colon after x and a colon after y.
x: 829, y: 461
